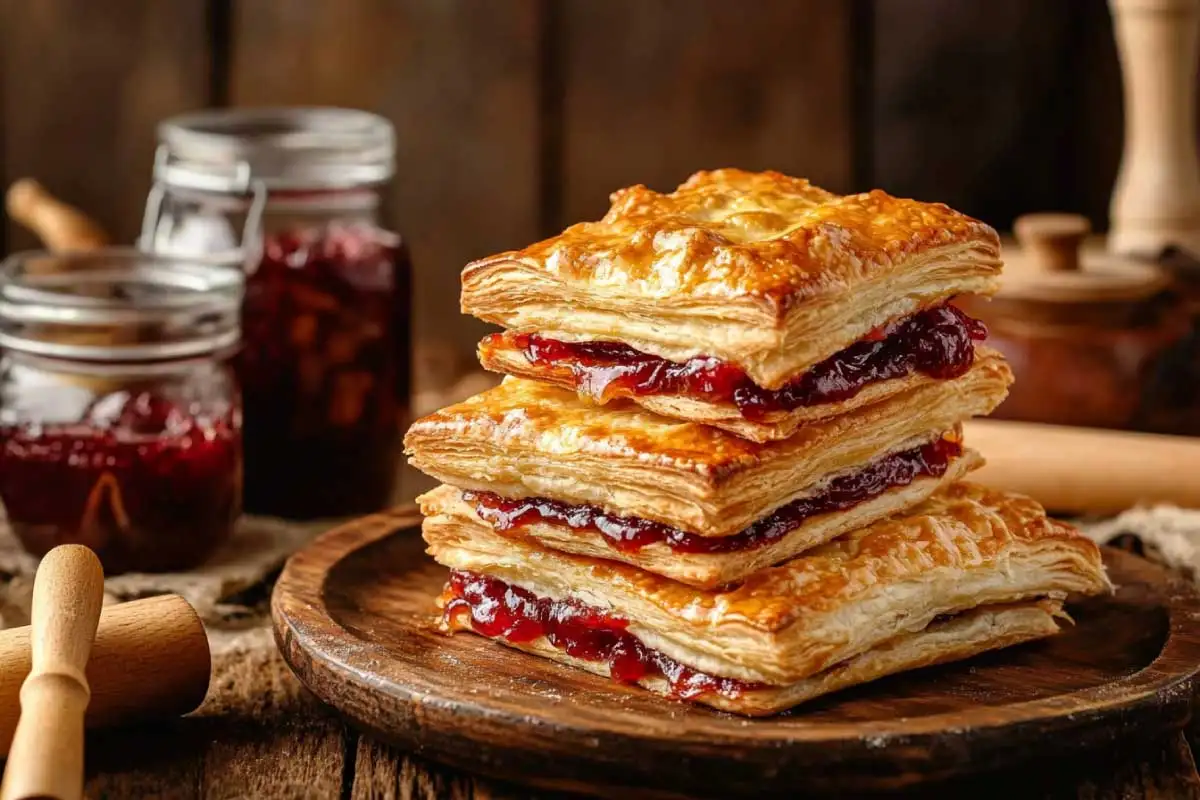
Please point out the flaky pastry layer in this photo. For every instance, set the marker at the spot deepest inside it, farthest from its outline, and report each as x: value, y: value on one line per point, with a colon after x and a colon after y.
x: 758, y: 269
x: 445, y: 506
x: 526, y: 438
x: 964, y: 548
x: 773, y: 426
x: 960, y: 637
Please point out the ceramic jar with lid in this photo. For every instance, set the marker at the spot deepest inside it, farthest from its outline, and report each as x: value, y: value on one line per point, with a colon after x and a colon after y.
x: 1094, y: 339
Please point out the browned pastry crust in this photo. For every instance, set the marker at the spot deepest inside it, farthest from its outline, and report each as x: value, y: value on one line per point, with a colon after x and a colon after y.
x: 965, y: 548
x: 703, y: 570
x: 525, y: 438
x: 959, y: 637
x: 759, y: 269
x: 773, y: 426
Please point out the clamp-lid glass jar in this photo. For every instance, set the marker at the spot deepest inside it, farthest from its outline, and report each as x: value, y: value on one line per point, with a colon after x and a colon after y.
x: 120, y: 419
x: 294, y: 195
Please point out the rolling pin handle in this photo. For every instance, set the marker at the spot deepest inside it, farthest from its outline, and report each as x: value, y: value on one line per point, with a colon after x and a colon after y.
x: 46, y: 758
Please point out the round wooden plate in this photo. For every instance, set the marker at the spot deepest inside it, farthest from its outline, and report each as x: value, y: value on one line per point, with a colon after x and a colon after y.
x: 353, y: 615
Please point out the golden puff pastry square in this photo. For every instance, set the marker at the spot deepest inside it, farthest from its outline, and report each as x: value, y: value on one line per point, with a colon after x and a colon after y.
x: 759, y: 270
x: 529, y: 439
x: 970, y: 569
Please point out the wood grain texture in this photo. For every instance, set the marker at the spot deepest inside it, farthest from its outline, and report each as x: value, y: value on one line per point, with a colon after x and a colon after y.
x: 457, y: 79
x: 82, y: 85
x: 258, y: 734
x: 997, y: 109
x: 1158, y: 770
x: 975, y: 104
x: 1167, y: 771
x: 1096, y: 126
x: 652, y: 92
x: 381, y: 771
x: 353, y: 617
x: 263, y: 701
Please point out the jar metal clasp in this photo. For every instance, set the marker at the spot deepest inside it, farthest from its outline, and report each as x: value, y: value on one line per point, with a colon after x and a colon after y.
x: 242, y: 183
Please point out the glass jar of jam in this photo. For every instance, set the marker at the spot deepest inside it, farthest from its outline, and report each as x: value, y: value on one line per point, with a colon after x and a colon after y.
x: 120, y: 415
x: 293, y: 195
x: 1094, y: 339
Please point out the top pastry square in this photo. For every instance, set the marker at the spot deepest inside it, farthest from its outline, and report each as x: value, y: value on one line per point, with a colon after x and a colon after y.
x: 760, y: 270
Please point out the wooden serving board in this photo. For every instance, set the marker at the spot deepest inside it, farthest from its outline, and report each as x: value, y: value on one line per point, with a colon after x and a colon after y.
x: 354, y: 618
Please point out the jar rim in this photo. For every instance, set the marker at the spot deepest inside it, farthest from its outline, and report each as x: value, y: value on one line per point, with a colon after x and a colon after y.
x: 286, y: 148
x: 118, y: 304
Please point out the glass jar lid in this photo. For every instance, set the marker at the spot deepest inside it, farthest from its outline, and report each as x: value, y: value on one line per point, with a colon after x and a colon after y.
x: 118, y: 305
x: 285, y: 148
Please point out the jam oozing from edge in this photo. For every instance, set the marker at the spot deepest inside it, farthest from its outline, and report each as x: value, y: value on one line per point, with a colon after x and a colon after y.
x: 149, y: 488
x: 499, y: 610
x: 629, y: 534
x: 938, y: 342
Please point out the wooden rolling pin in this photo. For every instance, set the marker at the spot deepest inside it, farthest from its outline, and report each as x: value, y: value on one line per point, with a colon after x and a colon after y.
x: 1085, y: 470
x: 46, y: 758
x: 150, y: 660
x: 60, y: 226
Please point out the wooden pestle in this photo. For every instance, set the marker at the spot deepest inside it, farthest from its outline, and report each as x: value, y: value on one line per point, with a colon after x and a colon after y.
x: 46, y: 758
x: 1085, y: 470
x: 61, y: 227
x: 150, y: 659
x: 1156, y: 198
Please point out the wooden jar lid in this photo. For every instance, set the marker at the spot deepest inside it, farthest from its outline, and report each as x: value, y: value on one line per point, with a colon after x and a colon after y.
x: 1052, y: 266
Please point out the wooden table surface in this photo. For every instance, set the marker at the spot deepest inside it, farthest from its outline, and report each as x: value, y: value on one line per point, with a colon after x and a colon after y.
x: 261, y: 734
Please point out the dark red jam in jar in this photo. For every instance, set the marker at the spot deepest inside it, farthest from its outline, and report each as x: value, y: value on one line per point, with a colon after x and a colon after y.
x: 294, y: 195
x: 630, y: 534
x: 499, y: 610
x: 325, y: 370
x: 939, y: 342
x: 120, y: 417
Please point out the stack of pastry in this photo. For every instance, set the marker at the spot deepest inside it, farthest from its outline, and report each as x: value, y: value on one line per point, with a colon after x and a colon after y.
x: 725, y: 464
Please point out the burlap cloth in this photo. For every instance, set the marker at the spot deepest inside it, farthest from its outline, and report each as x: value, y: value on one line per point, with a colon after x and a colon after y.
x: 1165, y: 534
x: 231, y: 593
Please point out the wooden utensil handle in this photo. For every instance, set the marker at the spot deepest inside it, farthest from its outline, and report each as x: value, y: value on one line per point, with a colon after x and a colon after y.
x: 60, y: 226
x: 1156, y: 198
x: 1085, y: 470
x: 46, y: 759
x: 150, y: 660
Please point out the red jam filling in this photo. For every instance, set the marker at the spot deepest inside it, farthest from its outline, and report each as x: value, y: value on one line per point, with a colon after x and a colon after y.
x: 629, y: 534
x: 139, y: 480
x: 324, y: 370
x: 498, y: 610
x: 938, y: 342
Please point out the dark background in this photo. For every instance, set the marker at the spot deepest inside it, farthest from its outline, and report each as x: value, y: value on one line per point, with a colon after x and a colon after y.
x: 516, y: 117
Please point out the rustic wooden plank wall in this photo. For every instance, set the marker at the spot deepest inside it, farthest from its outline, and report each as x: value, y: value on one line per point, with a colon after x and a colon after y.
x: 82, y: 85
x: 654, y: 91
x: 460, y: 82
x: 515, y: 117
x: 997, y: 108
